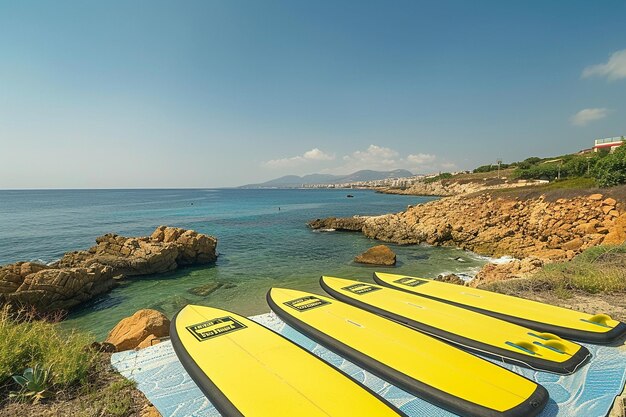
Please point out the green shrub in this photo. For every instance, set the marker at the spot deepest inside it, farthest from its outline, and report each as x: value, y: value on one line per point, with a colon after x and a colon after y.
x: 533, y: 160
x: 569, y: 166
x: 25, y: 342
x: 491, y: 167
x: 482, y: 168
x: 439, y: 177
x: 611, y: 169
x: 578, y: 166
x: 536, y: 172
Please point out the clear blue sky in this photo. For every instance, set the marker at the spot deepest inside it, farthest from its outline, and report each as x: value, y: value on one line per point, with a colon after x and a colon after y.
x: 221, y: 93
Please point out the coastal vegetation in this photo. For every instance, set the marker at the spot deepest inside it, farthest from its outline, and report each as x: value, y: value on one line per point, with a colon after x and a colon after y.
x: 492, y: 167
x: 442, y: 176
x: 46, y: 370
x: 602, y: 168
x: 28, y: 342
x: 529, y: 177
x: 611, y: 170
x: 71, y: 376
x: 597, y: 270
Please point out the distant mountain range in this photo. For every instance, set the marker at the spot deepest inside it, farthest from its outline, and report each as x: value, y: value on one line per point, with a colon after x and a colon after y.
x: 294, y: 181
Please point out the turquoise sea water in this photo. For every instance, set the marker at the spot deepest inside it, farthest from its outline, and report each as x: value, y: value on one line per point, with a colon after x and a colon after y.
x: 260, y: 246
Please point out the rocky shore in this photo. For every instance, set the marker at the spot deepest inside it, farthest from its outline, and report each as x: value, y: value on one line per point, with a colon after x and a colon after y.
x: 495, y: 225
x: 81, y: 275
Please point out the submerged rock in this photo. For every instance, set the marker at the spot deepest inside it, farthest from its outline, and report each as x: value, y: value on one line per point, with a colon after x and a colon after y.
x: 173, y: 303
x: 207, y: 289
x: 378, y: 255
x: 138, y: 330
x: 450, y: 278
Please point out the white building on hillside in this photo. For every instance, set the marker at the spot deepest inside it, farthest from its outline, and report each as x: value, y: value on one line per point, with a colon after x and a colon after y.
x: 608, y: 143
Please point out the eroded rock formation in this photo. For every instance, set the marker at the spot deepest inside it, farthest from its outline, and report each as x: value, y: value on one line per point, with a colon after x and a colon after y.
x: 82, y: 275
x: 48, y: 288
x: 351, y: 224
x: 163, y: 251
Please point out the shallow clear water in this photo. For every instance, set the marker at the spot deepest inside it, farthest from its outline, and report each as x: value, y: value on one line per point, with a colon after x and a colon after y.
x: 260, y: 246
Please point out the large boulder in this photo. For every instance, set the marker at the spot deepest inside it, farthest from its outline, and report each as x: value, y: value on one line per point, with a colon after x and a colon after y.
x: 378, y: 255
x: 139, y: 330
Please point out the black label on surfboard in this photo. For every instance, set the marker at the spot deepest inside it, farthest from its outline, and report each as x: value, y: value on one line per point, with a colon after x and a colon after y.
x: 306, y: 303
x: 213, y: 328
x: 411, y: 282
x: 361, y: 288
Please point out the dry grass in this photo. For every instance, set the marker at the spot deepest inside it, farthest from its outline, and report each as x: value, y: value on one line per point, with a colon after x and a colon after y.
x: 82, y: 380
x: 598, y: 270
x: 482, y: 176
x: 25, y: 341
x: 577, y: 187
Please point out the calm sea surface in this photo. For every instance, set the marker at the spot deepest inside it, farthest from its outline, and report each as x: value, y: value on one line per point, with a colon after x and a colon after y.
x: 260, y: 246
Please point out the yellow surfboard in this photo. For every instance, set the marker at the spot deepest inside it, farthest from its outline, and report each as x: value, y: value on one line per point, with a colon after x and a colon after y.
x: 245, y: 369
x: 570, y: 324
x: 415, y: 362
x: 476, y: 331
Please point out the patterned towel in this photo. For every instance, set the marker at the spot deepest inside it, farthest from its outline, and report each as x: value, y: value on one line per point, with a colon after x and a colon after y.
x: 587, y: 393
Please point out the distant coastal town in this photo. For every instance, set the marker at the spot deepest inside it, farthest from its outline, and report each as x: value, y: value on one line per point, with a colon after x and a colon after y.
x: 600, y: 145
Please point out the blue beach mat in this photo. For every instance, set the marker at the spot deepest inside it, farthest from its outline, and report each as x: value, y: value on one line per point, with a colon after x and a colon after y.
x: 589, y: 392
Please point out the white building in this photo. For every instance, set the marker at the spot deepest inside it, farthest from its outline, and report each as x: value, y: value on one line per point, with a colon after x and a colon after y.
x: 608, y: 143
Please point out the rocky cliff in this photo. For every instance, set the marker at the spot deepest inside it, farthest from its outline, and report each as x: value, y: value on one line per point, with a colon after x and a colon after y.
x: 496, y: 225
x: 80, y: 276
